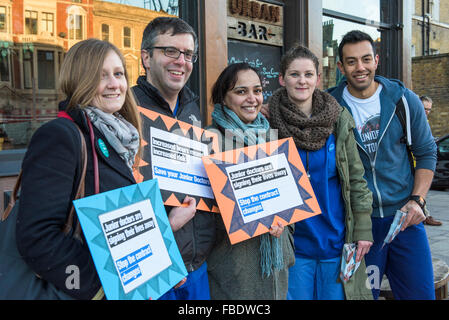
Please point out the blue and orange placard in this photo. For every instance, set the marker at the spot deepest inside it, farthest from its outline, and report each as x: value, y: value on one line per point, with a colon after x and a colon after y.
x: 258, y: 186
x: 172, y: 152
x: 131, y: 242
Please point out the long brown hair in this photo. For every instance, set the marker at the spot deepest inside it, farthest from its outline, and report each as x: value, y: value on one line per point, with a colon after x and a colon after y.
x: 80, y: 77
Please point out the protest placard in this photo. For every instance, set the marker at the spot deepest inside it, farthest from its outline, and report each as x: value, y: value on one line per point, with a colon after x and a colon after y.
x: 172, y: 154
x: 131, y: 242
x: 257, y: 186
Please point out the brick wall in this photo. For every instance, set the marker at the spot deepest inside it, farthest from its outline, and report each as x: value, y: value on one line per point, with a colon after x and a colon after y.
x: 430, y: 76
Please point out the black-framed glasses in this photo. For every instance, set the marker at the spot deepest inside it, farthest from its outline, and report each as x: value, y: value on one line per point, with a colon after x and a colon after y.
x: 174, y: 53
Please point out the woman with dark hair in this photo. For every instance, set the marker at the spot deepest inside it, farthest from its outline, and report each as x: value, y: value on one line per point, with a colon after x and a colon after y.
x: 255, y: 268
x: 322, y: 131
x: 94, y: 79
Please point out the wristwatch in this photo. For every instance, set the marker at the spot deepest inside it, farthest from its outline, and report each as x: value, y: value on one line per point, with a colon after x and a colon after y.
x: 419, y: 200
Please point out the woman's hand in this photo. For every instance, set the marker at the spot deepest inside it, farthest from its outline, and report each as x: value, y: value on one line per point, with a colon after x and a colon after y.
x: 362, y: 249
x: 276, y: 231
x: 179, y: 216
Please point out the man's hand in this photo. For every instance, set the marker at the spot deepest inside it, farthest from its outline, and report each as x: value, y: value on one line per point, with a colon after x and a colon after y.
x: 414, y: 214
x: 179, y: 216
x: 363, y: 248
x: 276, y: 231
x: 265, y: 110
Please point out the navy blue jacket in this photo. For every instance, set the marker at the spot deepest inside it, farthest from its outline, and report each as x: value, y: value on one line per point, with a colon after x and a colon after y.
x: 51, y: 171
x: 389, y: 175
x: 197, y: 237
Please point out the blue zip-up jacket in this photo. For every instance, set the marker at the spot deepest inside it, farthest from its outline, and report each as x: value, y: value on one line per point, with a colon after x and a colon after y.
x: 389, y: 175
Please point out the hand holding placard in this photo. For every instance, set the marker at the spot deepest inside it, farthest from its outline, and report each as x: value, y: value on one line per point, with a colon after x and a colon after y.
x: 179, y: 216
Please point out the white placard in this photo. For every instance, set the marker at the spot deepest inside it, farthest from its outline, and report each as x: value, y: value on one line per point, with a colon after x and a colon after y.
x: 264, y: 187
x: 135, y: 243
x: 177, y: 165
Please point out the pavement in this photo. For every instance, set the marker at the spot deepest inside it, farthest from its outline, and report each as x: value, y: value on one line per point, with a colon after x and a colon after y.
x: 438, y: 205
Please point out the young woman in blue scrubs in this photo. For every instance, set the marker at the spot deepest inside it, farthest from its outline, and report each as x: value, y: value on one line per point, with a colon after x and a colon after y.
x: 322, y: 131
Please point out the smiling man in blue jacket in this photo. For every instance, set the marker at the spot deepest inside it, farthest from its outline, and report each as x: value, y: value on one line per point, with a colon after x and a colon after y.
x: 379, y: 133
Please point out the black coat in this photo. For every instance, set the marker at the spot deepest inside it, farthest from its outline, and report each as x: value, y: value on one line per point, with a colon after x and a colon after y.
x: 51, y: 172
x: 196, y: 238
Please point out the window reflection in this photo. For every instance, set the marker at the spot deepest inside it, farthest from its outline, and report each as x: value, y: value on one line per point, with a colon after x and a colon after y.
x: 30, y: 60
x: 367, y: 9
x: 333, y: 32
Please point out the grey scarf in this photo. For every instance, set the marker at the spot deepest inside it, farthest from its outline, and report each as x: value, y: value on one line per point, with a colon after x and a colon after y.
x: 121, y: 134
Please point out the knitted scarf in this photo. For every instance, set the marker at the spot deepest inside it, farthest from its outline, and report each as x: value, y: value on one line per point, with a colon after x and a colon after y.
x: 253, y: 133
x: 121, y: 134
x: 308, y: 133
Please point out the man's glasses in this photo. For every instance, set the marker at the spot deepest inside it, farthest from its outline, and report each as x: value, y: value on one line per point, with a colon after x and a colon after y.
x: 174, y: 53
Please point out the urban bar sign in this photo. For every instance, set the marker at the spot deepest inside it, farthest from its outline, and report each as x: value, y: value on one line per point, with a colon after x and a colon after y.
x: 255, y: 21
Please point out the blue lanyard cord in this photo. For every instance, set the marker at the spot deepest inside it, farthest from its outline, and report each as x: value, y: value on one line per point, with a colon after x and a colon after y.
x: 176, y: 107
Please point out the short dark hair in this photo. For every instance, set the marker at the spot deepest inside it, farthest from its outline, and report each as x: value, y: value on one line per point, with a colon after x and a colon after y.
x: 354, y: 36
x: 298, y: 51
x: 425, y: 98
x: 227, y: 79
x: 162, y: 25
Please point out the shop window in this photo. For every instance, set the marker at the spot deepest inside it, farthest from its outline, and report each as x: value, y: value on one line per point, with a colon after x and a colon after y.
x: 333, y: 31
x: 46, y: 69
x: 30, y: 22
x: 127, y: 37
x: 380, y: 19
x: 47, y: 23
x: 105, y: 32
x: 3, y: 19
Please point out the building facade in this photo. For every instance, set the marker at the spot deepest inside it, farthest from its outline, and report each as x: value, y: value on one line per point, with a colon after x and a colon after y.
x: 430, y: 26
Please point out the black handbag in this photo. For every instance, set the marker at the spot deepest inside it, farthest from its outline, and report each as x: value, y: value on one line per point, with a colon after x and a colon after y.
x: 17, y: 280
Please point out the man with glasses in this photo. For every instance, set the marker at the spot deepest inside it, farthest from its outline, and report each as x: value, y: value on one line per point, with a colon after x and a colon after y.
x: 168, y: 51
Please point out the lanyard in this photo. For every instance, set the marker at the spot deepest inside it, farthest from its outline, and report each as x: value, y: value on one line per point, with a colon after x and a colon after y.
x: 176, y: 107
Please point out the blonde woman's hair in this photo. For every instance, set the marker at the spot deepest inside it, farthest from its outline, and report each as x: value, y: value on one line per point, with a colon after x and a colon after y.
x: 80, y: 77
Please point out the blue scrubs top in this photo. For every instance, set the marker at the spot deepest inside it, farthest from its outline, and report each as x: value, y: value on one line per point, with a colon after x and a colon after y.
x: 322, y: 236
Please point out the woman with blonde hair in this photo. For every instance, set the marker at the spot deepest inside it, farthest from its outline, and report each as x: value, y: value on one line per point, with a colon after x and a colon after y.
x: 98, y: 99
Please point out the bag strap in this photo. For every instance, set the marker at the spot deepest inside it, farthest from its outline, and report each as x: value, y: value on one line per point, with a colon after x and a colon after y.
x: 403, y: 113
x: 80, y: 191
x: 94, y: 155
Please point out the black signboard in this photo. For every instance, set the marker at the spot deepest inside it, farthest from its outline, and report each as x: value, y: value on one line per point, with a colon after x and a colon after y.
x: 265, y: 58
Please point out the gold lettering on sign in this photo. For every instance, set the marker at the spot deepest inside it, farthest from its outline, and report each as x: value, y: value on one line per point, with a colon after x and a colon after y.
x: 255, y: 10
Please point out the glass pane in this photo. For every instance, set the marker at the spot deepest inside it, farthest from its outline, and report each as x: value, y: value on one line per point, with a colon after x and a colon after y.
x: 2, y: 18
x: 367, y: 9
x: 333, y: 32
x: 168, y: 6
x: 105, y: 32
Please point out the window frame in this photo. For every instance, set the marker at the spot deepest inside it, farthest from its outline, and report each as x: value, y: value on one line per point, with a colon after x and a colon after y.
x: 36, y: 23
x: 45, y: 22
x: 390, y: 27
x: 127, y: 37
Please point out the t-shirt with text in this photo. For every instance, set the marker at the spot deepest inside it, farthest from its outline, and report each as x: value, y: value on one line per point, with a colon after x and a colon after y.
x: 366, y: 113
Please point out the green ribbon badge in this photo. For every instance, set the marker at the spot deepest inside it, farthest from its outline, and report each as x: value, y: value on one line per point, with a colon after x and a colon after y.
x: 103, y: 148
